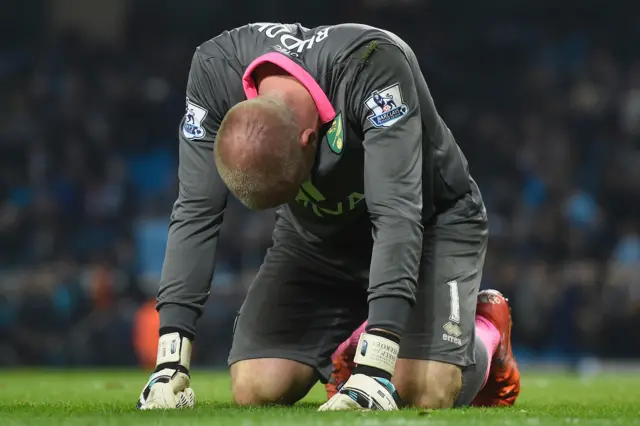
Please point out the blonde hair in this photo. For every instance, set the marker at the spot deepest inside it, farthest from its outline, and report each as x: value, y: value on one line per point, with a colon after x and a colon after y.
x: 257, y: 152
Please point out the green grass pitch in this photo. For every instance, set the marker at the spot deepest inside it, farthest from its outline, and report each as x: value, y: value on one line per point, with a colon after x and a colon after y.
x: 100, y: 398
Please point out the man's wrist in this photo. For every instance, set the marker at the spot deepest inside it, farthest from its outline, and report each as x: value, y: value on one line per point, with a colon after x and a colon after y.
x: 384, y: 333
x: 377, y: 353
x: 183, y: 333
x: 174, y: 351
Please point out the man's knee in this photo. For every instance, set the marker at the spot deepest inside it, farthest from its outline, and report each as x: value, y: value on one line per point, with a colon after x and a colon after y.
x: 427, y: 384
x: 269, y: 381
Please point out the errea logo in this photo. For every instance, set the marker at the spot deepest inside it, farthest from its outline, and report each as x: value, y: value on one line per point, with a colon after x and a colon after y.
x: 287, y: 42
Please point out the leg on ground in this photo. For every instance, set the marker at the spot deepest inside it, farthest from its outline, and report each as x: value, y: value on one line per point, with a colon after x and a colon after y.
x: 503, y: 379
x: 438, y: 342
x: 291, y: 322
x: 427, y: 384
x: 270, y: 381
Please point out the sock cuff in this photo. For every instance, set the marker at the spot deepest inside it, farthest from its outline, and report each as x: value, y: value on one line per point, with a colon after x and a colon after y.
x: 486, y: 323
x: 488, y: 333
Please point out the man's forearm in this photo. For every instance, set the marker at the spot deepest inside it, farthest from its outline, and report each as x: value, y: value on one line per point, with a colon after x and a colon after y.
x: 395, y: 263
x: 389, y: 314
x: 187, y: 272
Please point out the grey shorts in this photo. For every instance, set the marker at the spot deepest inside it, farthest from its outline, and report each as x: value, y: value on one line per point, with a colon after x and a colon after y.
x: 304, y: 303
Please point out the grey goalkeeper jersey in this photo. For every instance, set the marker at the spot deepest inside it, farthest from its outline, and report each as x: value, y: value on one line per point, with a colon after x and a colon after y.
x: 385, y: 165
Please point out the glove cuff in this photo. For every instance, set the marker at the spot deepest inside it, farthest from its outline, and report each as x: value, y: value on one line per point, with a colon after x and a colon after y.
x: 377, y: 352
x: 174, y: 349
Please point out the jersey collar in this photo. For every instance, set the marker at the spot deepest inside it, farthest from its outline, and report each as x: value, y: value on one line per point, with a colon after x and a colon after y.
x: 325, y: 109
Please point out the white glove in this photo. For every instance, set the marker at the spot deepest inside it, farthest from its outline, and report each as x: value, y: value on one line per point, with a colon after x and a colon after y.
x: 362, y: 392
x: 168, y: 387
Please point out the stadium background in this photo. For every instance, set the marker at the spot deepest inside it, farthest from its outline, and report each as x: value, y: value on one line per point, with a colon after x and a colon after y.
x: 543, y: 97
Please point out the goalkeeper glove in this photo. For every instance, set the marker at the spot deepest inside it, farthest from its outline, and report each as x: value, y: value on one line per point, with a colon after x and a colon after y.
x: 168, y: 386
x: 363, y: 392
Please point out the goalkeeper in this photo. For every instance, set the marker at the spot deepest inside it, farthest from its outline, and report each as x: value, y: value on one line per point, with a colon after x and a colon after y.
x: 378, y: 219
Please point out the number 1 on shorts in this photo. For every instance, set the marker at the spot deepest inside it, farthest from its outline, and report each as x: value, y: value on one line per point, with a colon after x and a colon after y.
x: 454, y: 299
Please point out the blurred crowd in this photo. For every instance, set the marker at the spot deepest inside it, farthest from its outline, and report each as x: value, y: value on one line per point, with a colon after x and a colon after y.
x: 548, y: 114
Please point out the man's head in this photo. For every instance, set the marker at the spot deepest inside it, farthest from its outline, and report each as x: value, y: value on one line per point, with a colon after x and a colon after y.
x: 262, y: 153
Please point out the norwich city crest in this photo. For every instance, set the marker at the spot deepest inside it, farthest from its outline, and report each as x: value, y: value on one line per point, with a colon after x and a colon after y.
x: 335, y: 135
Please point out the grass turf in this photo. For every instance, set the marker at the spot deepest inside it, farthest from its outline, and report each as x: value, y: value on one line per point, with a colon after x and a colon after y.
x: 100, y: 398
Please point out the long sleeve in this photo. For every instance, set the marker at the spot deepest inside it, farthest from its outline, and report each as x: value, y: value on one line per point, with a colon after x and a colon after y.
x: 388, y: 107
x: 198, y: 212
